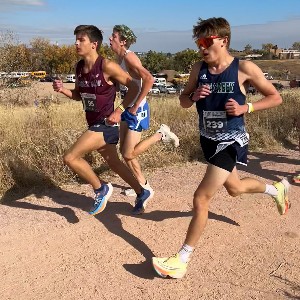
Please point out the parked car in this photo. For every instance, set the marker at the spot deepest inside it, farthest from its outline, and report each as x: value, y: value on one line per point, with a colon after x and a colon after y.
x: 251, y: 90
x: 71, y: 78
x: 48, y: 78
x: 162, y: 89
x: 171, y: 90
x: 154, y: 91
x: 278, y: 86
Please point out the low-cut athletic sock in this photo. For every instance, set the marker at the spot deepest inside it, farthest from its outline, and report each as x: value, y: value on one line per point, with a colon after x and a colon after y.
x: 271, y: 190
x: 185, y: 253
x: 144, y: 183
x: 285, y: 183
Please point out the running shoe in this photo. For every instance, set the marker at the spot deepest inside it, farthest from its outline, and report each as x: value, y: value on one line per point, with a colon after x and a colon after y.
x: 141, y: 201
x: 172, y: 266
x: 281, y: 199
x: 167, y: 135
x: 131, y: 193
x: 101, y: 199
x: 296, y: 178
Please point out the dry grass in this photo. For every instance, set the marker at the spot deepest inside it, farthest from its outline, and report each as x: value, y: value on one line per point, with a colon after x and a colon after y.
x: 33, y: 139
x: 278, y: 67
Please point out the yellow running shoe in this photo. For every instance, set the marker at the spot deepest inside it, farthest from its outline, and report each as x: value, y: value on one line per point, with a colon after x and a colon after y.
x: 172, y: 266
x: 281, y: 199
x: 296, y: 178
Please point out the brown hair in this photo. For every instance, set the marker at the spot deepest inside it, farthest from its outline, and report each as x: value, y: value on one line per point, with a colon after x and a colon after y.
x: 93, y: 32
x: 212, y: 26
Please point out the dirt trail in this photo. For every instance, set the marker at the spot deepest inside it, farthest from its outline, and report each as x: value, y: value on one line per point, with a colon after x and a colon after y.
x: 50, y: 248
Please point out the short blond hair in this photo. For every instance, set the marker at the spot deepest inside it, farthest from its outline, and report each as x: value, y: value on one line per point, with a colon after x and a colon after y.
x: 125, y: 33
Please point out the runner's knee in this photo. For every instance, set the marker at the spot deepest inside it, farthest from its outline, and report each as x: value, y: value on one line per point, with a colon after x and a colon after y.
x: 68, y: 158
x: 234, y: 191
x: 201, y: 202
x: 128, y: 155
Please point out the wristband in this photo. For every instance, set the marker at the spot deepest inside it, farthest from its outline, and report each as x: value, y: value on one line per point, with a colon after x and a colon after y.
x: 121, y: 107
x: 250, y: 108
x: 191, y: 96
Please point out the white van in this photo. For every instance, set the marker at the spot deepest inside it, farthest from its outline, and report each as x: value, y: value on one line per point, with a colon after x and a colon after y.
x: 18, y: 74
x: 266, y: 74
x: 71, y: 78
x: 161, y: 81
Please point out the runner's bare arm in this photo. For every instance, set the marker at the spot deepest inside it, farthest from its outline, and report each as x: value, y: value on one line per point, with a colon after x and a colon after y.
x: 136, y: 70
x: 58, y: 86
x: 251, y: 73
x: 191, y: 87
x: 114, y: 73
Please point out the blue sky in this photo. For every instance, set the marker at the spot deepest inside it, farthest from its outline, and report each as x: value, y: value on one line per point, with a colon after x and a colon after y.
x: 159, y: 25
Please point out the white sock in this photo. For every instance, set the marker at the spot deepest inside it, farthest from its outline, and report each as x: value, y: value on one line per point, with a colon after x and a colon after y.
x: 271, y: 190
x: 285, y: 183
x: 185, y: 253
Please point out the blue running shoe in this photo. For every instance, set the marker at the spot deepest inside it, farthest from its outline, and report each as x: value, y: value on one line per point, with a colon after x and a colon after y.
x: 101, y: 198
x: 141, y: 201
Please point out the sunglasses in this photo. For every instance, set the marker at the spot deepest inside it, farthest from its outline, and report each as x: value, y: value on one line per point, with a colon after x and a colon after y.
x: 206, y: 42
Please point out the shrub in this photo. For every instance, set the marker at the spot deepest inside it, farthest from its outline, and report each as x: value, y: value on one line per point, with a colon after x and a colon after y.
x: 34, y: 138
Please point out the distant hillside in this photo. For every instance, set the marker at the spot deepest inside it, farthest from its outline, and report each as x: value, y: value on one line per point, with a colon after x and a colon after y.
x: 280, y: 68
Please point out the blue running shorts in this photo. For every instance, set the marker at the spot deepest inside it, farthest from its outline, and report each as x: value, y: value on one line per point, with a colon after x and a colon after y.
x: 140, y: 121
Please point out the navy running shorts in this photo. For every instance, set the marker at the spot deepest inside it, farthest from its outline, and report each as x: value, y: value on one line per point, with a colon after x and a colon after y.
x: 140, y: 121
x: 225, y: 159
x: 110, y: 133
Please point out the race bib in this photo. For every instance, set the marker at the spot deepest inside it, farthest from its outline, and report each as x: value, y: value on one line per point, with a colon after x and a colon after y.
x: 89, y: 102
x: 215, y: 121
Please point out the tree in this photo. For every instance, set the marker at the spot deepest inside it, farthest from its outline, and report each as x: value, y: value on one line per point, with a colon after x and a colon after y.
x: 19, y: 58
x: 12, y: 54
x: 106, y: 52
x: 38, y: 47
x: 60, y: 60
x: 296, y: 46
x: 267, y: 47
x: 154, y: 62
x: 248, y: 49
x: 184, y: 60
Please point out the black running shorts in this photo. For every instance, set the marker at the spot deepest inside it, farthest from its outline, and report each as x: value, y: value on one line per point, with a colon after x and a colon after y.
x: 225, y: 159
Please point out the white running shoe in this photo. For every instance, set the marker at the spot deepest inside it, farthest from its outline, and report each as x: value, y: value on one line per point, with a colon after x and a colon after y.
x: 131, y: 193
x: 167, y: 135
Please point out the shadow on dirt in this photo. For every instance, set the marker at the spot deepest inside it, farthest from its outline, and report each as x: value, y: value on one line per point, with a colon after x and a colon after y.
x: 275, y: 174
x: 111, y: 218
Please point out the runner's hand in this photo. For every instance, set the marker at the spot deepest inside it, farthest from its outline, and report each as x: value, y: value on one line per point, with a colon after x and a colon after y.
x: 202, y: 92
x: 57, y: 85
x: 114, y: 118
x: 234, y: 109
x: 133, y: 109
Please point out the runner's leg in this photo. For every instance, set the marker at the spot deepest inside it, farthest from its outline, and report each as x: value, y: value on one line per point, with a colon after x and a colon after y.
x: 212, y: 181
x: 73, y: 158
x: 110, y: 154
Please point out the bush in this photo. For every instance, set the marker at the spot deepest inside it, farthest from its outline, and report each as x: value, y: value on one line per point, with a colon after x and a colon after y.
x: 34, y: 138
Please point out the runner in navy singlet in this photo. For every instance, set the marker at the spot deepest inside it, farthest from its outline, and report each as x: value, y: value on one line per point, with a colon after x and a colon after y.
x: 217, y: 85
x: 95, y: 87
